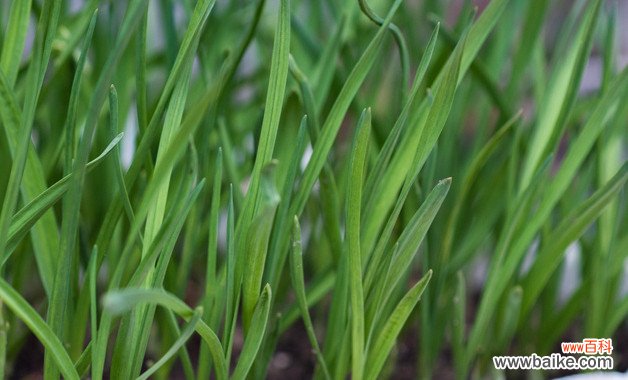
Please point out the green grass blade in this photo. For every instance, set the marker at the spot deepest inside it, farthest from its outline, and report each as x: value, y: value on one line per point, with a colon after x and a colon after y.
x: 13, y: 44
x: 186, y: 333
x: 354, y: 204
x: 12, y: 115
x: 307, y: 97
x: 233, y: 174
x: 336, y: 114
x: 122, y: 301
x: 257, y: 239
x: 272, y: 116
x: 298, y: 283
x: 45, y: 238
x: 42, y: 331
x: 385, y: 340
x: 315, y: 292
x: 409, y: 242
x: 253, y: 340
x: 471, y: 175
x: 232, y: 299
x: 277, y: 258
x: 173, y: 116
x: 507, y: 325
x: 70, y: 121
x: 28, y: 215
x: 166, y: 236
x: 276, y: 90
x: 58, y: 312
x: 567, y: 231
x: 212, y: 283
x: 578, y: 151
x: 479, y: 32
x: 401, y: 45
x: 414, y: 150
x: 117, y: 163
x: 459, y: 309
x: 326, y: 67
x: 535, y: 15
x: 561, y: 93
x: 609, y: 148
x: 513, y: 222
x: 619, y: 315
x: 164, y: 240
x: 144, y: 227
x: 189, y: 125
x: 93, y: 305
x: 411, y: 105
x: 157, y: 208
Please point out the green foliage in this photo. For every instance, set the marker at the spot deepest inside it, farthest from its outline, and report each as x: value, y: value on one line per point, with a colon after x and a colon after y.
x: 267, y: 167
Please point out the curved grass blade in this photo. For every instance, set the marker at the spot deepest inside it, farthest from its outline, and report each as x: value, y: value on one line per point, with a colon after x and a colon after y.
x: 119, y: 302
x: 42, y: 331
x: 157, y: 202
x: 307, y: 97
x: 12, y: 117
x: 401, y: 44
x: 164, y: 240
x: 167, y: 235
x: 58, y: 310
x: 186, y: 333
x: 28, y: 215
x: 477, y: 34
x: 16, y: 125
x: 482, y: 73
x: 76, y: 31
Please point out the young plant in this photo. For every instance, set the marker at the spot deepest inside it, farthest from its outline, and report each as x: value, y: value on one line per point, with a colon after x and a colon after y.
x: 189, y: 185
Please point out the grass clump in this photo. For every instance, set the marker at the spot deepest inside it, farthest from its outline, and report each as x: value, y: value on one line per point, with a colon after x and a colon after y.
x: 184, y: 182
